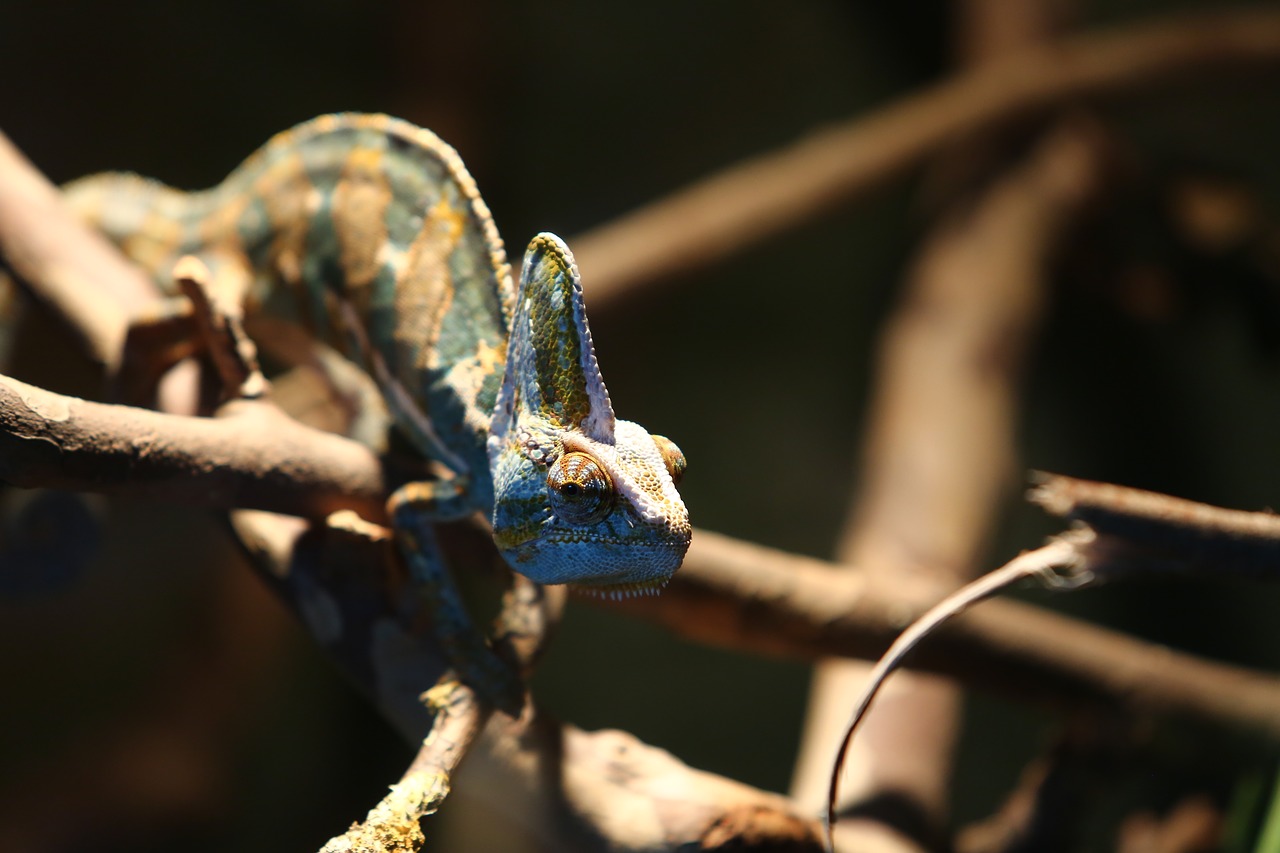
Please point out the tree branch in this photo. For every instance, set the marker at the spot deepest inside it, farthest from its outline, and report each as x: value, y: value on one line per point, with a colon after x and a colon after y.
x: 459, y: 715
x: 754, y: 599
x: 728, y: 593
x: 72, y: 268
x: 1183, y: 535
x: 722, y: 215
x: 253, y: 457
x: 574, y: 789
x: 1154, y: 532
x: 938, y: 458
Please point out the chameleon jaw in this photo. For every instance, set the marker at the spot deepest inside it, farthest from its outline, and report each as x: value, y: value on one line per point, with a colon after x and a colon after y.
x: 620, y: 591
x: 597, y: 562
x: 580, y: 497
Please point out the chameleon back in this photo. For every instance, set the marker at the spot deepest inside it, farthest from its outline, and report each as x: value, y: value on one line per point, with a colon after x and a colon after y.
x: 369, y: 231
x: 365, y: 209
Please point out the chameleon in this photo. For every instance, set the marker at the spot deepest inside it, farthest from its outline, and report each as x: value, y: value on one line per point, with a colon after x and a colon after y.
x: 371, y: 232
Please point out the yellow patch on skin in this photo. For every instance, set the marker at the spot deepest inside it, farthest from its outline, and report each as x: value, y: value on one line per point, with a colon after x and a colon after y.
x: 491, y: 359
x: 449, y: 216
x: 154, y: 244
x: 286, y: 192
x: 424, y: 287
x: 219, y: 227
x: 360, y: 204
x: 323, y: 124
x: 467, y: 377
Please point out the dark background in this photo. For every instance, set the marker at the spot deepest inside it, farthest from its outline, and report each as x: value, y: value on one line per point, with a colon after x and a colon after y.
x: 568, y: 114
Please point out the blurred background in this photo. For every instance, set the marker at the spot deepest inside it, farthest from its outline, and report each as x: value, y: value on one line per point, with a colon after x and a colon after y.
x: 156, y: 698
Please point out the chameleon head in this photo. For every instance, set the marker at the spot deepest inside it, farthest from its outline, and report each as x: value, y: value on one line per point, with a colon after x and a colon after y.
x: 579, y: 496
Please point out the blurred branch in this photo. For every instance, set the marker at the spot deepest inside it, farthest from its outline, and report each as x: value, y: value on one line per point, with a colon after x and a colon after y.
x: 1022, y: 815
x: 938, y: 457
x: 735, y: 592
x: 729, y: 593
x: 1044, y: 811
x: 750, y: 598
x: 939, y: 453
x: 738, y: 207
x: 254, y: 457
x: 458, y: 716
x: 74, y: 269
x: 1155, y: 532
x: 1193, y: 825
x: 575, y: 790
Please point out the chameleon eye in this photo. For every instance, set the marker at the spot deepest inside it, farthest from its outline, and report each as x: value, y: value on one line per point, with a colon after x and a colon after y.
x: 671, y: 457
x: 579, y: 488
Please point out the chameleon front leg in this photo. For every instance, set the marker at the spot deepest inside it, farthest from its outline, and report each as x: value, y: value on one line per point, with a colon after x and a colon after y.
x: 414, y: 509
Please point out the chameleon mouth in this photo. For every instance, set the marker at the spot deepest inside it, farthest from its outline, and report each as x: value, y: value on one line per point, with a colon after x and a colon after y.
x: 620, y: 591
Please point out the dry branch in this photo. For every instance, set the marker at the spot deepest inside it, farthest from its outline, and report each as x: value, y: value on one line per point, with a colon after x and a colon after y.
x: 74, y: 269
x: 459, y: 715
x: 1155, y: 532
x: 253, y: 457
x: 754, y: 599
x: 729, y: 593
x: 738, y: 207
x: 939, y: 454
x: 1042, y: 560
x: 734, y: 592
x: 606, y: 790
x: 1168, y: 534
x: 575, y: 790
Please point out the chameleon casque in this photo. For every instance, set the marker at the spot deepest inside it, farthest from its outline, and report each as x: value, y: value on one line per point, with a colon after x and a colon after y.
x: 370, y: 231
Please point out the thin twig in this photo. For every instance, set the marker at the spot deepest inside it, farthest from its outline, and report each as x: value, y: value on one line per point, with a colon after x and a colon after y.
x: 938, y: 456
x: 575, y: 790
x: 1035, y: 563
x: 460, y: 714
x: 752, y: 599
x: 1118, y: 528
x: 1155, y: 530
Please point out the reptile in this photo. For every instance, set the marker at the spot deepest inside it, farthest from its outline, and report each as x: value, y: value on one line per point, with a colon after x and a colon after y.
x: 370, y: 231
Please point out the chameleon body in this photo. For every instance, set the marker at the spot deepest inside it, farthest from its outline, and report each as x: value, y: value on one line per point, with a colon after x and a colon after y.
x: 370, y: 230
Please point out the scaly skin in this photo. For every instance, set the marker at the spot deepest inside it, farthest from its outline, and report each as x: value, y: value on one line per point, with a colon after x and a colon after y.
x: 580, y: 494
x: 375, y: 213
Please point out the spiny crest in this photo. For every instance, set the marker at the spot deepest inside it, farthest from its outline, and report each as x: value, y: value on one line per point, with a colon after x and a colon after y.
x: 551, y: 364
x: 579, y: 496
